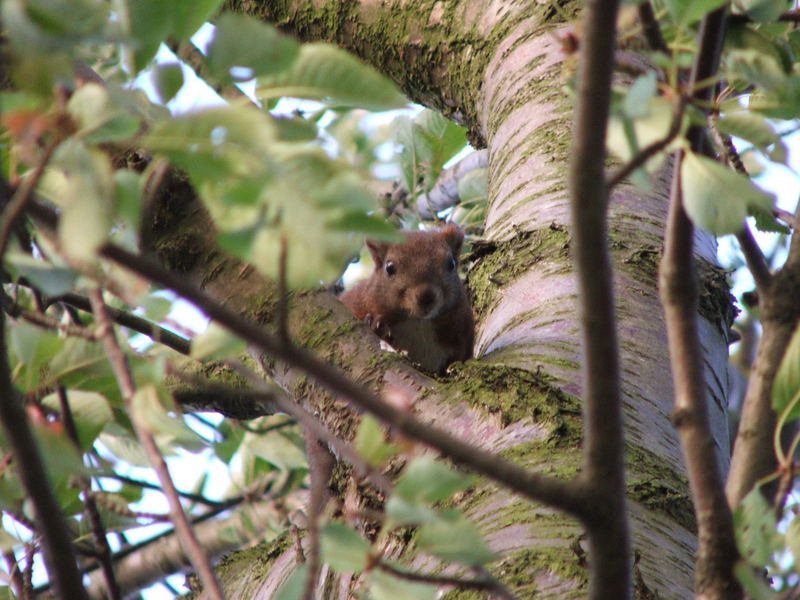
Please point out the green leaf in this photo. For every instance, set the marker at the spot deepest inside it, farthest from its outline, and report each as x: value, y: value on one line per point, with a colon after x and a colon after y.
x: 126, y: 448
x: 294, y: 586
x: 383, y: 586
x: 168, y: 80
x: 401, y: 512
x: 474, y: 185
x: 216, y: 342
x: 80, y: 181
x: 374, y: 226
x: 793, y: 537
x: 753, y: 583
x: 760, y: 10
x: 766, y: 221
x: 34, y: 349
x: 296, y: 129
x: 626, y: 137
x: 50, y: 279
x: 150, y: 24
x: 639, y: 95
x: 454, y: 539
x: 428, y: 480
x: 275, y: 448
x: 370, y: 442
x: 756, y: 529
x: 325, y: 72
x: 717, y: 198
x: 686, y: 12
x: 169, y: 430
x: 8, y: 542
x: 189, y: 16
x: 749, y: 126
x: 786, y: 386
x: 343, y: 548
x: 255, y: 48
x: 90, y: 411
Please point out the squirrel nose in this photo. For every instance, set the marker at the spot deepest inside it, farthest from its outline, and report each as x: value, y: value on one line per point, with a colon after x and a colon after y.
x: 426, y: 299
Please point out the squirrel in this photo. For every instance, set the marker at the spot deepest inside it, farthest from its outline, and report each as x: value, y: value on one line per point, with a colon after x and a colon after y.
x: 414, y: 299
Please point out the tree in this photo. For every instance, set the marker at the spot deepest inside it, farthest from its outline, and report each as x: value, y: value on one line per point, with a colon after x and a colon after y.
x: 568, y: 279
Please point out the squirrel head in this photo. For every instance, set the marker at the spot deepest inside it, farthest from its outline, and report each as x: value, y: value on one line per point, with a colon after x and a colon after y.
x: 420, y: 276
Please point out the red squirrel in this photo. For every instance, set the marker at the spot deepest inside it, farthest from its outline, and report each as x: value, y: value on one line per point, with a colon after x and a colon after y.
x: 414, y: 298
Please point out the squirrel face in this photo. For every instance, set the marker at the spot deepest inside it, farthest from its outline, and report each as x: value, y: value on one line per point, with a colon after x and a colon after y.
x: 419, y: 278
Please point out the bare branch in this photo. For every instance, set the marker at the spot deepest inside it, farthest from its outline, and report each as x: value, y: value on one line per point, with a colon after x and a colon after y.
x: 127, y: 387
x: 603, y: 458
x: 717, y: 553
x: 485, y: 583
x: 59, y: 556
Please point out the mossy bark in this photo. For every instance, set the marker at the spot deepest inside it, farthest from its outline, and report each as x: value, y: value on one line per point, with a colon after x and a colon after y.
x: 499, y: 68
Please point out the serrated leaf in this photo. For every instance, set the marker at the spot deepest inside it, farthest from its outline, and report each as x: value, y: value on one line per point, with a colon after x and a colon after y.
x: 216, y: 341
x: 756, y: 529
x: 275, y: 448
x: 370, y: 442
x: 150, y: 24
x: 454, y: 539
x: 34, y: 349
x: 749, y: 126
x: 427, y: 480
x: 189, y: 16
x: 294, y: 586
x: 626, y: 137
x: 639, y: 95
x: 786, y: 386
x: 383, y: 586
x: 50, y: 279
x: 244, y: 48
x: 148, y: 411
x: 766, y: 221
x: 474, y: 185
x: 90, y: 411
x: 717, y: 198
x: 343, y: 548
x: 125, y: 448
x: 401, y: 512
x: 325, y: 72
x: 168, y: 80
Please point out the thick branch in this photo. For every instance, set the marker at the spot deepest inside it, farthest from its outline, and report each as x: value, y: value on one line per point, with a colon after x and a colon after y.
x: 717, y: 552
x: 604, y: 466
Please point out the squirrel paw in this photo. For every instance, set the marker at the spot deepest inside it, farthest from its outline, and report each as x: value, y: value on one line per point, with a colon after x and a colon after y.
x: 378, y: 326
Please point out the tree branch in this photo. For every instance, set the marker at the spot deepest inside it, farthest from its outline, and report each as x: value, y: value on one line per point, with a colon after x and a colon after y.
x: 127, y: 387
x: 59, y: 557
x: 604, y: 463
x: 717, y: 553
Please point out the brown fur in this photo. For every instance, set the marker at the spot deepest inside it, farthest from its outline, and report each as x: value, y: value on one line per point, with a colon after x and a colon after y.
x: 421, y: 308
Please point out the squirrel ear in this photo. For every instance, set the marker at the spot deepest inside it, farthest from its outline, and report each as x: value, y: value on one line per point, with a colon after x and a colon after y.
x: 454, y: 237
x: 378, y: 252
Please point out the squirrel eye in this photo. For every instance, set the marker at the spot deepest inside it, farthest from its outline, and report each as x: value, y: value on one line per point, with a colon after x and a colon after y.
x: 391, y: 269
x: 451, y: 264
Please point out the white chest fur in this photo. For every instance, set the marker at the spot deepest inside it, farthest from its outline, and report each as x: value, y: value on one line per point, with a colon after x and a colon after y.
x: 418, y: 338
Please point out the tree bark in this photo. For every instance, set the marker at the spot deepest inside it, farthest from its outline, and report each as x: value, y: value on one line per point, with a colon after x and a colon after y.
x: 500, y: 69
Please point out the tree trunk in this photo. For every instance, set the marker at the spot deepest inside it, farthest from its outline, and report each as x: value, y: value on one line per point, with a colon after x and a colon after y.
x: 500, y: 69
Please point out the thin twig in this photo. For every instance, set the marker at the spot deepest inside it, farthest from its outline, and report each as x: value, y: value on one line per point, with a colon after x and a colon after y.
x: 183, y: 528
x: 155, y: 332
x: 14, y: 574
x: 652, y: 149
x: 96, y: 523
x: 320, y: 469
x: 200, y: 499
x: 59, y: 556
x: 651, y: 28
x: 484, y: 584
x: 717, y: 553
x: 24, y: 194
x: 283, y: 294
